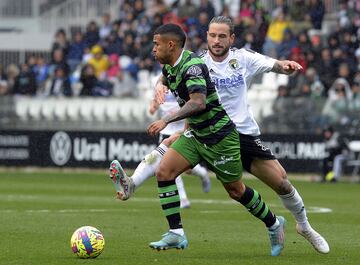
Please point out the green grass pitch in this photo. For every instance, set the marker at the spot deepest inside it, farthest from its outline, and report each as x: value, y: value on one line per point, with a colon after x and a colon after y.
x: 40, y: 210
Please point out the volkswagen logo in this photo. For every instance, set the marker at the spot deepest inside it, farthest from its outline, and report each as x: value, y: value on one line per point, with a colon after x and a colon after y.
x: 60, y: 148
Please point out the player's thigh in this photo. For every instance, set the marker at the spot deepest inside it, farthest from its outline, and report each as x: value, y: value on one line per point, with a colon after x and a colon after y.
x: 223, y: 158
x: 272, y: 174
x: 171, y: 165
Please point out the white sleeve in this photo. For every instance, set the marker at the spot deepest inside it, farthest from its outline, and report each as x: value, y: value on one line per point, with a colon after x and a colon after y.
x: 258, y: 63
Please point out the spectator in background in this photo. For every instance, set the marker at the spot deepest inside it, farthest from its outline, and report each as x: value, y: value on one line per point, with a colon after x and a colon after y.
x: 275, y: 34
x: 337, y: 106
x: 326, y: 69
x: 2, y: 73
x: 106, y: 26
x: 207, y: 7
x: 58, y: 60
x: 128, y: 45
x: 337, y: 151
x: 91, y: 36
x: 4, y: 88
x: 248, y: 42
x: 12, y: 71
x: 303, y: 42
x: 187, y: 9
x: 76, y: 51
x: 99, y: 61
x: 41, y: 70
x: 316, y: 12
x: 25, y: 82
x: 60, y: 42
x: 88, y: 80
x: 285, y: 47
x: 59, y: 84
x: 113, y: 44
x: 298, y: 14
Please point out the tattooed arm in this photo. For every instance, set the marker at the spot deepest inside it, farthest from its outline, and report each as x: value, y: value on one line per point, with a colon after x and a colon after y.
x: 196, y: 104
x: 286, y: 67
x: 193, y: 106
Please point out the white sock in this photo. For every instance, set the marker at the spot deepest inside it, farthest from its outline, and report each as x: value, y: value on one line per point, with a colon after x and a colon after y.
x: 275, y: 225
x: 199, y: 171
x: 181, y: 189
x: 294, y: 203
x: 178, y: 231
x: 148, y: 165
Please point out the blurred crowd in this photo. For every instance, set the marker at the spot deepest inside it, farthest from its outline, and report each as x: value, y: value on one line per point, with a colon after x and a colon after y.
x: 105, y: 58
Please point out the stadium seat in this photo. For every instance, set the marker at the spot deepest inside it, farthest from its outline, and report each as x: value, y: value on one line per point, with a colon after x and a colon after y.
x: 125, y: 110
x: 99, y: 109
x: 35, y: 108
x: 73, y: 109
x: 112, y: 110
x: 354, y: 157
x: 86, y: 106
x: 47, y: 109
x: 21, y: 108
x: 144, y: 80
x: 60, y: 109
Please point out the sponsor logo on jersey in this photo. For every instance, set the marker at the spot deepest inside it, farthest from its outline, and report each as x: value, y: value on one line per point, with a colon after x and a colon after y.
x: 234, y: 80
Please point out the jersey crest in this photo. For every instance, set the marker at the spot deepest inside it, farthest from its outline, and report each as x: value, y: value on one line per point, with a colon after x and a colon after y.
x: 234, y: 64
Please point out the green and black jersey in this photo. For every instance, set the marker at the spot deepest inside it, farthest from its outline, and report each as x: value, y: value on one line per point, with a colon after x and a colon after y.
x: 191, y: 75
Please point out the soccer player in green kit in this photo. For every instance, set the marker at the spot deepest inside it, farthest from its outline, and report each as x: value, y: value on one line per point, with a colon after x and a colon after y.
x: 211, y: 137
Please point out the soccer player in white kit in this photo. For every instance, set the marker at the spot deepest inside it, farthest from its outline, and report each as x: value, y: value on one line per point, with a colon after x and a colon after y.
x: 232, y: 70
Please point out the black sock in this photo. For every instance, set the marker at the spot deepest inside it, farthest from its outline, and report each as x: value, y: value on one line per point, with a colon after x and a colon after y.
x: 170, y: 202
x: 257, y: 207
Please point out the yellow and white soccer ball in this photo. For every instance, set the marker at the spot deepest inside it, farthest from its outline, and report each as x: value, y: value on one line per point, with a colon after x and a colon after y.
x: 87, y: 242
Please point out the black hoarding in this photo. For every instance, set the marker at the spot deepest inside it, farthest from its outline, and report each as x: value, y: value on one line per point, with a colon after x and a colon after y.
x: 297, y: 153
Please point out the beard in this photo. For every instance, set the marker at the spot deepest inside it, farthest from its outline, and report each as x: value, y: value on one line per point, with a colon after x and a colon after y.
x: 221, y: 51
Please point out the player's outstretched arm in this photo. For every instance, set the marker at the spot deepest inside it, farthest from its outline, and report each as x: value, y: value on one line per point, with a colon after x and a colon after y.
x: 286, y: 67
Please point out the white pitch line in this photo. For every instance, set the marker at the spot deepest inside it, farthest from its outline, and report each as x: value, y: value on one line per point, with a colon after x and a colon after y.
x: 279, y: 208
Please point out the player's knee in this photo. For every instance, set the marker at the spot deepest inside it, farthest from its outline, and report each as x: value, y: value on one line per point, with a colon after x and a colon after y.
x: 285, y: 187
x: 237, y: 192
x: 163, y: 173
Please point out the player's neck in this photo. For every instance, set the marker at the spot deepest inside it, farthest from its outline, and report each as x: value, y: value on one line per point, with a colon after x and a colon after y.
x: 176, y: 58
x: 218, y: 59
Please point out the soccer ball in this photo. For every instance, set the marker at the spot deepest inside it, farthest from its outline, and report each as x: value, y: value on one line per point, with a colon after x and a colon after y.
x: 87, y: 242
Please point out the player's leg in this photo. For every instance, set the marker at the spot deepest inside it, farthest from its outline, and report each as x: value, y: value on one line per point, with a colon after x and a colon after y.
x: 143, y: 171
x: 176, y: 160
x: 202, y: 172
x: 254, y: 203
x: 184, y: 201
x: 224, y: 160
x: 266, y: 168
x: 273, y: 175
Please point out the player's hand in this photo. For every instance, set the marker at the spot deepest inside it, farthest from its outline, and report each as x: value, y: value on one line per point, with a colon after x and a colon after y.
x: 155, y: 127
x: 290, y: 66
x: 160, y: 91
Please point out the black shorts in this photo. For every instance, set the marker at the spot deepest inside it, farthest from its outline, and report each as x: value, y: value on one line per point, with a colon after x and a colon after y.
x: 251, y: 148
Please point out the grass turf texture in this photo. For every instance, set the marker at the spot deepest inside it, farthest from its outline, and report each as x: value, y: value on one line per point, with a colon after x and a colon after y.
x: 40, y: 211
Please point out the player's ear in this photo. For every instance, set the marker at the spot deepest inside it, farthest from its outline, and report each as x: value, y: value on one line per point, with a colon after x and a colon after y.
x: 232, y: 38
